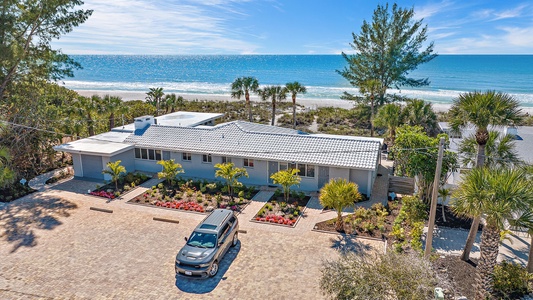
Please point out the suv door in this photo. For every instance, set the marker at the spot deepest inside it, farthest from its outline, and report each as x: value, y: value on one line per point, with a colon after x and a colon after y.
x: 223, y: 239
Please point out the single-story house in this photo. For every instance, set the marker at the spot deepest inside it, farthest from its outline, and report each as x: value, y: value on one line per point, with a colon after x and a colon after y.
x: 193, y: 140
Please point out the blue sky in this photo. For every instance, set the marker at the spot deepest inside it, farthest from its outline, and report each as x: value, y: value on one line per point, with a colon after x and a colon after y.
x: 289, y: 27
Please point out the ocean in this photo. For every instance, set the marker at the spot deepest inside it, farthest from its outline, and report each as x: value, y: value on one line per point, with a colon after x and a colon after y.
x: 449, y: 75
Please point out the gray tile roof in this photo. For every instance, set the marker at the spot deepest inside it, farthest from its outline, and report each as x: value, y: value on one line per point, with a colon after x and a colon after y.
x: 249, y: 140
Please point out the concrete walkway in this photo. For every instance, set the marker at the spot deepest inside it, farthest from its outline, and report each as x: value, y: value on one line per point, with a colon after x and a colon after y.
x: 39, y: 182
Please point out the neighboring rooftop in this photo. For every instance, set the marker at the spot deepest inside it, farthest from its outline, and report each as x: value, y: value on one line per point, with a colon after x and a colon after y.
x: 180, y: 118
x: 106, y: 144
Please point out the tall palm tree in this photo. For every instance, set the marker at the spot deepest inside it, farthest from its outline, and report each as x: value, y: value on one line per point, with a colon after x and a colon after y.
x: 154, y: 96
x: 499, y: 195
x: 172, y: 101
x: 370, y: 88
x: 275, y: 93
x: 389, y: 115
x: 115, y: 170
x: 294, y: 88
x: 482, y: 109
x: 499, y: 151
x: 87, y: 108
x: 420, y: 112
x: 114, y: 105
x: 231, y: 174
x: 243, y: 86
x: 339, y: 194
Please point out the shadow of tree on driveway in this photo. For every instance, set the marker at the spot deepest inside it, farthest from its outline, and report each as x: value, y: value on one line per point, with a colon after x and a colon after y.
x: 20, y: 218
x: 345, y: 243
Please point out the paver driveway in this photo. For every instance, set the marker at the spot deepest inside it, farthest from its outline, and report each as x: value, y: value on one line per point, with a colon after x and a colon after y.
x: 53, y: 247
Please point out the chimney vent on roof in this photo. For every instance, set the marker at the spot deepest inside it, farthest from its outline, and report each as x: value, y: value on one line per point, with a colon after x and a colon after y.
x: 512, y: 130
x: 143, y: 122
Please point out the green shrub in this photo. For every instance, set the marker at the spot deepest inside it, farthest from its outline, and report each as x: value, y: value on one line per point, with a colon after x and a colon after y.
x: 415, y: 209
x: 416, y: 236
x: 278, y: 193
x: 511, y: 281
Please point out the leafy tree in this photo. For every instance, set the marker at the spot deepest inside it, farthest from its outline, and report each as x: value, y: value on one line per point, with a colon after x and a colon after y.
x: 27, y: 29
x: 275, y: 93
x: 380, y: 276
x: 137, y: 108
x: 231, y: 174
x: 154, y: 97
x: 115, y: 170
x: 170, y: 170
x: 421, y: 162
x: 294, y: 88
x: 243, y: 86
x: 370, y: 88
x: 339, y: 194
x: 387, y: 50
x: 482, y: 110
x: 87, y: 109
x: 420, y: 112
x: 113, y: 105
x: 500, y: 195
x: 389, y: 116
x: 499, y: 151
x: 286, y: 178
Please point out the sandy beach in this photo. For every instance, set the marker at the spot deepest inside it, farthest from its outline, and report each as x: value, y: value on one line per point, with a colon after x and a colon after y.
x: 307, y: 102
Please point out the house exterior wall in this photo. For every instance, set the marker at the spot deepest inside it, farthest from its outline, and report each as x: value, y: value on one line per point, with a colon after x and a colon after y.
x: 147, y: 165
x: 92, y: 166
x: 339, y: 173
x: 127, y: 159
x: 76, y: 164
x: 360, y: 177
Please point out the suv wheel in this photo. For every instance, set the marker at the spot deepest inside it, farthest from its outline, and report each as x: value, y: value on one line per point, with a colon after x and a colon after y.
x: 214, y: 269
x: 235, y: 240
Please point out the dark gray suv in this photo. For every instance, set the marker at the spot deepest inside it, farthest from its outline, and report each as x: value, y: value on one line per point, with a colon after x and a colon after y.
x: 208, y: 243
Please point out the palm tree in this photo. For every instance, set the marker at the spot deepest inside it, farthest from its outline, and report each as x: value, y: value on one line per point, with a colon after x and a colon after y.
x: 171, y: 101
x: 482, y: 110
x: 444, y: 194
x: 231, y: 174
x: 275, y: 93
x: 170, y: 170
x: 420, y: 112
x: 286, y: 178
x: 499, y: 151
x: 114, y: 105
x: 339, y: 194
x: 369, y: 88
x: 115, y: 170
x: 154, y: 96
x: 243, y: 86
x: 499, y: 195
x: 87, y: 108
x: 389, y: 115
x: 294, y: 88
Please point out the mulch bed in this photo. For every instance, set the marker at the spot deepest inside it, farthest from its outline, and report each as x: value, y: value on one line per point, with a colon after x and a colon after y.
x: 452, y: 221
x: 277, y: 211
x: 329, y: 225
x: 459, y: 274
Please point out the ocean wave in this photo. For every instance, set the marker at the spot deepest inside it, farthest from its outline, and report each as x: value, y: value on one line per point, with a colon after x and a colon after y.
x: 313, y: 92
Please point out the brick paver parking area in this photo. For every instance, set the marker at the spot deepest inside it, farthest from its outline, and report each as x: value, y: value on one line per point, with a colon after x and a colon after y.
x: 52, y: 246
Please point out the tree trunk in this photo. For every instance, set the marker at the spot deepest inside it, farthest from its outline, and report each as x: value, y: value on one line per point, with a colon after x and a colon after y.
x: 339, y: 225
x: 530, y: 257
x: 293, y: 112
x: 273, y: 110
x: 490, y: 242
x: 471, y: 239
x: 480, y: 156
x: 111, y: 121
x: 249, y: 108
x: 90, y: 125
x: 443, y: 214
x: 371, y: 115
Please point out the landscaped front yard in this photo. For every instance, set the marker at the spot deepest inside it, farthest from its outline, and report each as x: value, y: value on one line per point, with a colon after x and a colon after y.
x: 280, y: 211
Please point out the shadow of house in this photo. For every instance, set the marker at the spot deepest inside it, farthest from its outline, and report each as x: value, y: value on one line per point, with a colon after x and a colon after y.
x: 20, y: 219
x: 204, y: 286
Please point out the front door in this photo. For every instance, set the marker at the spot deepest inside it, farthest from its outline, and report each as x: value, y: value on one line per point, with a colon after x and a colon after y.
x: 323, y: 176
x: 272, y: 168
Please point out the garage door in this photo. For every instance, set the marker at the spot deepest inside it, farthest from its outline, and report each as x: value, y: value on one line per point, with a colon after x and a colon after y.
x: 92, y: 166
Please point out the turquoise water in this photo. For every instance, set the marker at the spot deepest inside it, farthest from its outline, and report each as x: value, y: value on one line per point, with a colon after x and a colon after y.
x: 212, y: 74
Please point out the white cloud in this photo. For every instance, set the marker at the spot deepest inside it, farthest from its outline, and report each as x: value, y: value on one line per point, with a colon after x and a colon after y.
x: 426, y: 11
x: 158, y: 27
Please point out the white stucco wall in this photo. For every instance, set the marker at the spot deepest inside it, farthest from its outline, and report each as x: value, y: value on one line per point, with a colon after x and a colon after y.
x: 76, y: 162
x: 361, y: 178
x: 339, y: 173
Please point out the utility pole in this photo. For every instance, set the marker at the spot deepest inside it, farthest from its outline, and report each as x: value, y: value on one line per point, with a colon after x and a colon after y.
x: 433, y: 208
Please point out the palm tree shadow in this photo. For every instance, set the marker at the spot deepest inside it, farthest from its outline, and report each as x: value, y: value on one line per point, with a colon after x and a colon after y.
x: 204, y: 286
x: 20, y: 218
x: 346, y: 243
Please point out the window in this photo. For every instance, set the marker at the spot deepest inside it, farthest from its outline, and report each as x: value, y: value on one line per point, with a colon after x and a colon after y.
x: 186, y: 156
x: 305, y: 170
x: 226, y: 159
x: 310, y: 171
x: 149, y: 154
x: 302, y: 168
x: 206, y: 158
x: 285, y: 166
x: 248, y: 163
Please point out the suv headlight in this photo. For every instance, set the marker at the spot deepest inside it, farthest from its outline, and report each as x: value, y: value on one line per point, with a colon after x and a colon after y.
x: 203, y: 265
x: 178, y: 262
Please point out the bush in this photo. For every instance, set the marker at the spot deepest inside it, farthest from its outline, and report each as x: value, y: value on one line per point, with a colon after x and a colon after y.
x: 414, y: 208
x: 380, y: 276
x: 511, y: 281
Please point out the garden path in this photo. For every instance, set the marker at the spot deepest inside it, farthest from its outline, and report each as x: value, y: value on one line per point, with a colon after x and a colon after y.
x: 39, y: 182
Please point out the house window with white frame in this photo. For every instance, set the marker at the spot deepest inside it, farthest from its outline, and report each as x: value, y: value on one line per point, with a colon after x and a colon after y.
x: 306, y: 170
x: 206, y: 158
x: 148, y: 154
x: 285, y: 166
x: 226, y: 159
x: 186, y: 156
x: 249, y: 163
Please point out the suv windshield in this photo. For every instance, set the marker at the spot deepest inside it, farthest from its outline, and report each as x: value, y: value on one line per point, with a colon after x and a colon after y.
x: 202, y: 240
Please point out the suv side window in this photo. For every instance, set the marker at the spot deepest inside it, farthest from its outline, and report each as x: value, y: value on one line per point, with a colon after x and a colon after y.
x: 224, y: 231
x: 232, y: 219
